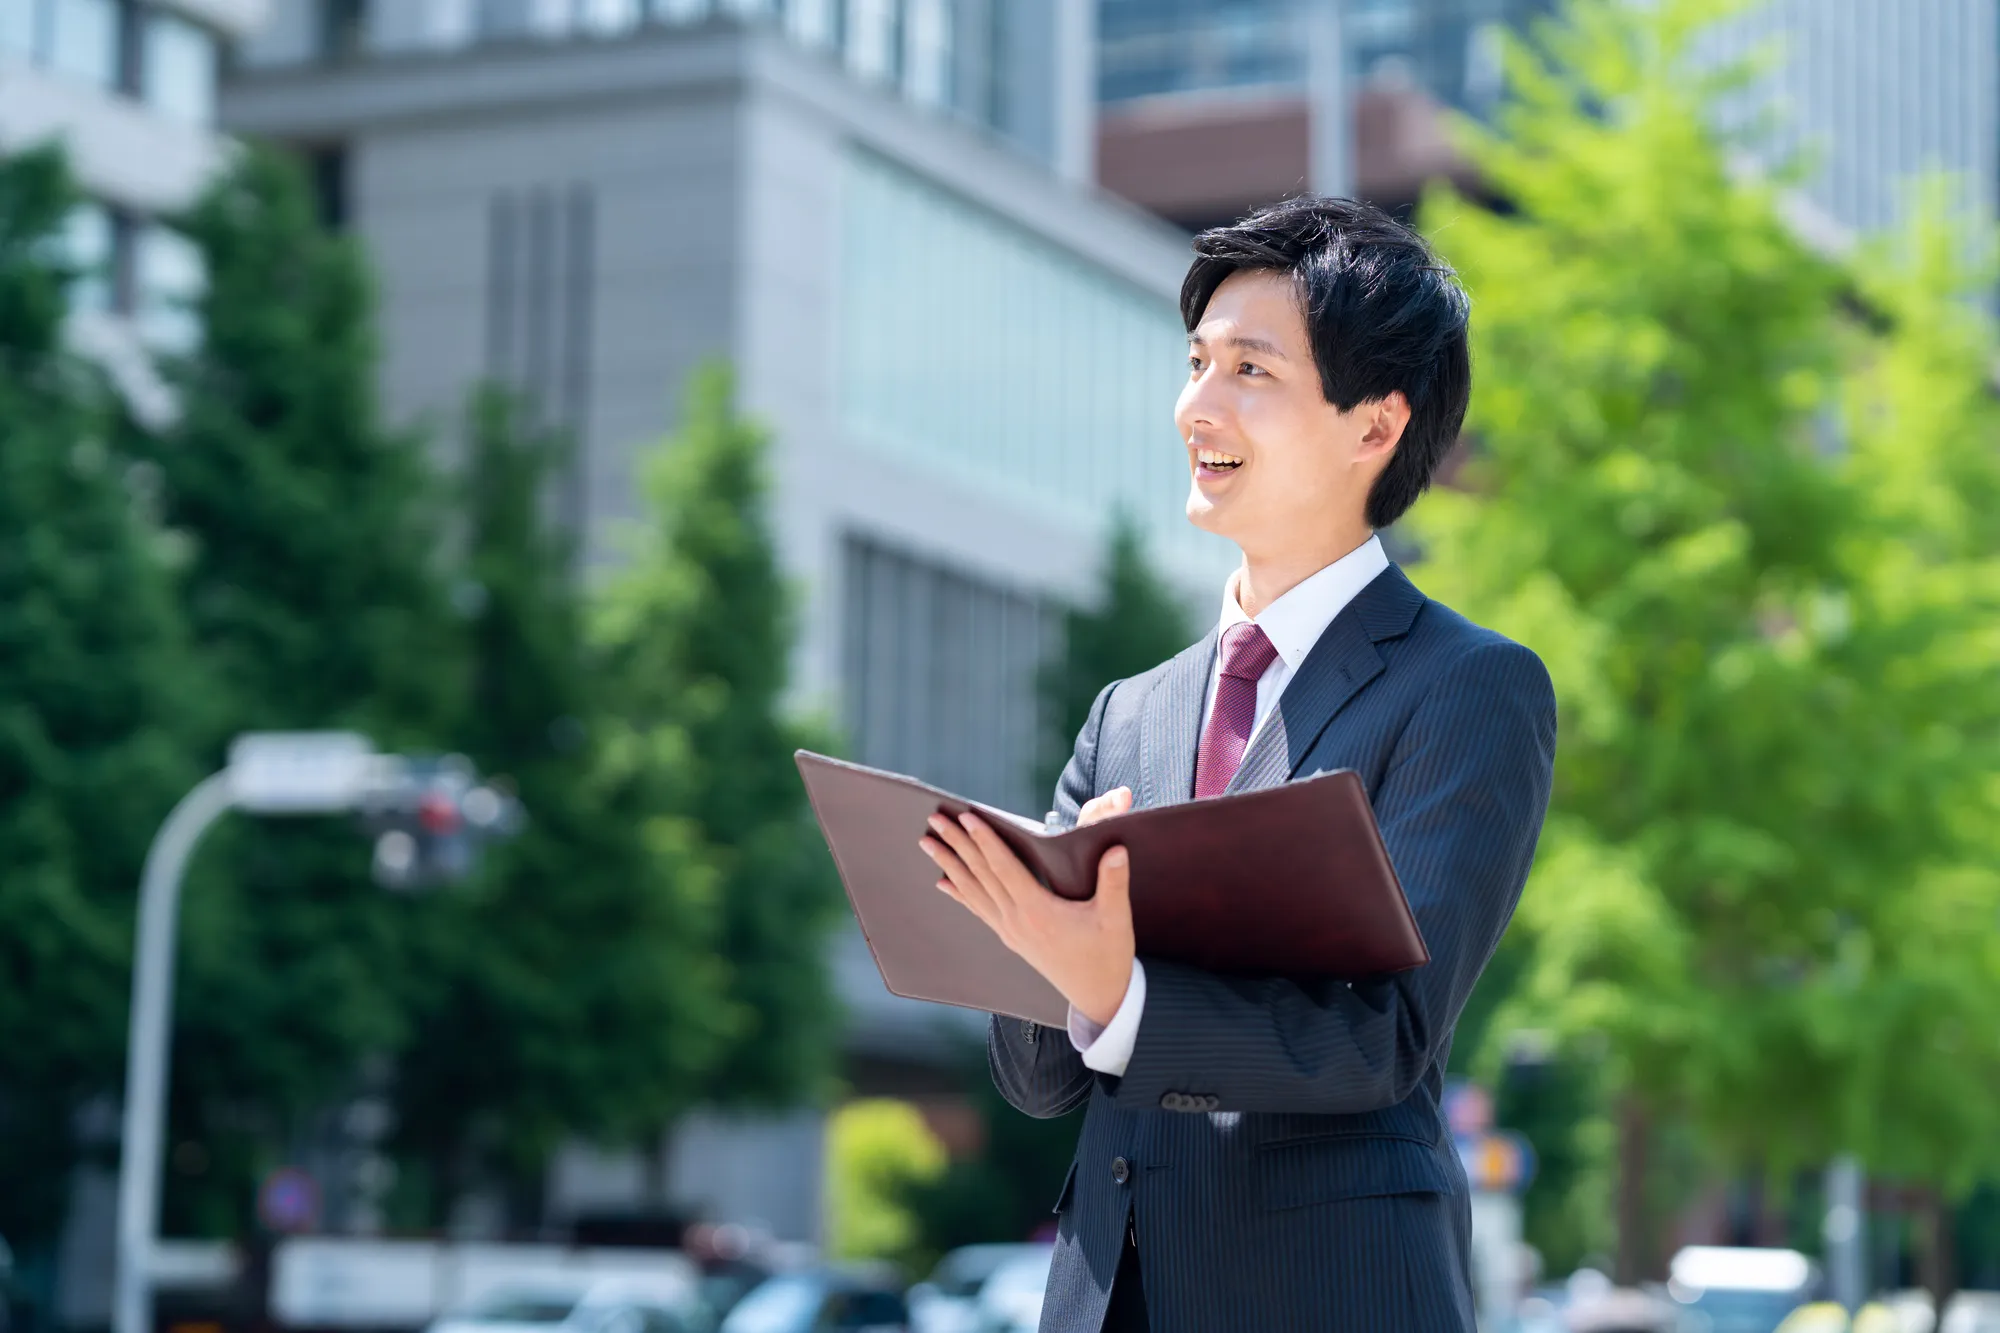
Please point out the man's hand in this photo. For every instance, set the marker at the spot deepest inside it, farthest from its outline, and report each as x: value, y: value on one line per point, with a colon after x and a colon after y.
x: 1084, y: 949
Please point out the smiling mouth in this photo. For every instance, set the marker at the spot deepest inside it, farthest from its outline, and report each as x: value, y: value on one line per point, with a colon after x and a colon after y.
x: 1214, y: 460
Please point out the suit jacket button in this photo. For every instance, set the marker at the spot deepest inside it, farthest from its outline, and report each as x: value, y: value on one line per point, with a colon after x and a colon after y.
x: 1121, y: 1170
x: 1170, y: 1100
x: 1029, y: 1030
x: 1210, y: 1103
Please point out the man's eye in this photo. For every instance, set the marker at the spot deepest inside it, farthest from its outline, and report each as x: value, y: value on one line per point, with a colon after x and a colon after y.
x: 1194, y: 363
x: 1249, y: 369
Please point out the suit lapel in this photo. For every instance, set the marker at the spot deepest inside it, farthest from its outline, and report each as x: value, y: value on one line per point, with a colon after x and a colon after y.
x: 1173, y: 726
x: 1334, y: 671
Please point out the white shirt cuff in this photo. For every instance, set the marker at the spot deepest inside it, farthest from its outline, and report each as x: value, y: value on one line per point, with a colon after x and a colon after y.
x: 1108, y: 1049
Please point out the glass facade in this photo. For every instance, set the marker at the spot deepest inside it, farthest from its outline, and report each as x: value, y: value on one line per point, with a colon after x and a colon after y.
x: 920, y: 640
x: 992, y: 63
x: 82, y: 40
x: 970, y: 346
x: 1152, y: 47
x: 18, y: 29
x: 90, y: 238
x: 1451, y: 48
x: 167, y: 280
x: 178, y: 68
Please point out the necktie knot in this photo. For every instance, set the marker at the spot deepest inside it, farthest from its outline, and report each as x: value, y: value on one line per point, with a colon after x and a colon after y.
x: 1247, y: 652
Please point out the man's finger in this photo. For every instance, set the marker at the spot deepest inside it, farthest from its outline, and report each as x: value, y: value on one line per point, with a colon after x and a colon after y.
x: 971, y: 892
x: 1114, y: 802
x: 1008, y: 876
x: 1114, y: 881
x: 961, y: 843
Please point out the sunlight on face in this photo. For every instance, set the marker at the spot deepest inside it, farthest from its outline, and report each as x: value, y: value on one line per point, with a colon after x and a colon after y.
x: 1274, y: 466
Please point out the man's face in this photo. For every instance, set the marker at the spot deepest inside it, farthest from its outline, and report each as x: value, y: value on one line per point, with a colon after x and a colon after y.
x: 1304, y: 467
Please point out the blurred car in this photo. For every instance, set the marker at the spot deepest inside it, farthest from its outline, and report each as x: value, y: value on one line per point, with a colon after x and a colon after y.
x: 819, y: 1301
x: 948, y: 1300
x: 1738, y: 1289
x: 1010, y: 1301
x: 1622, y: 1310
x: 574, y: 1305
x: 1972, y: 1312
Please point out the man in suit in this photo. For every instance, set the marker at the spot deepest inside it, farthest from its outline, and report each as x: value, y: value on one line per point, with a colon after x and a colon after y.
x: 1267, y: 1153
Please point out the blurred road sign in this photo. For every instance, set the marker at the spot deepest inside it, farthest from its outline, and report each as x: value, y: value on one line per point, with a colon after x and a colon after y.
x: 1468, y: 1108
x: 299, y: 772
x: 289, y: 1201
x: 1501, y: 1162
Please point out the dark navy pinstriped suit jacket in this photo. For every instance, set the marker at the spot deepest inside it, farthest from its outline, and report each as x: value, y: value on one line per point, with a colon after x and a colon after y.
x: 1316, y: 1187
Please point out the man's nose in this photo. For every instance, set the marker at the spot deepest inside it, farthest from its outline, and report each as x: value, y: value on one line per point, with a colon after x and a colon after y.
x: 1201, y: 405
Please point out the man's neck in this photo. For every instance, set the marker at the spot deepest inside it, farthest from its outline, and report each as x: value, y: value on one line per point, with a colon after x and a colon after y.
x: 1267, y: 576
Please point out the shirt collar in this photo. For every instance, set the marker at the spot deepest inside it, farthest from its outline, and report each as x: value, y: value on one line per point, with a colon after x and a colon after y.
x: 1295, y: 621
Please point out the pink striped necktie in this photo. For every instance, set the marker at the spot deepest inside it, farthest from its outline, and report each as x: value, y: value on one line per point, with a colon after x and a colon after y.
x: 1246, y: 655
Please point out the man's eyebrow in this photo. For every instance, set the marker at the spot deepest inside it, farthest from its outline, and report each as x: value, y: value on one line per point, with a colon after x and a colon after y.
x: 1244, y: 344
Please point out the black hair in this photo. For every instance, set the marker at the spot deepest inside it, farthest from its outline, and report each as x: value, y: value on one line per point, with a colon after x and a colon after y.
x: 1382, y: 313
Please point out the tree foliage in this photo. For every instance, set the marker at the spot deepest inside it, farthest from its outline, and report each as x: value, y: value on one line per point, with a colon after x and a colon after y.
x: 1136, y: 622
x: 98, y: 710
x: 876, y: 1150
x: 697, y: 635
x: 1739, y: 495
x: 316, y: 592
x: 570, y: 990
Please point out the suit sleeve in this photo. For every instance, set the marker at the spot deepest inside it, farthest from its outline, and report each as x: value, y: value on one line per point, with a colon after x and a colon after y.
x: 1037, y: 1069
x: 1460, y: 808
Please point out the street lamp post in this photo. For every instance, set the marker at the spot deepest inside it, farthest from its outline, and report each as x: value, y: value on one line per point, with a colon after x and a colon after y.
x: 269, y: 773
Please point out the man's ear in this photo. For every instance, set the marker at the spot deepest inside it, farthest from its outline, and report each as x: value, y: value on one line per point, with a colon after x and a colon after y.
x: 1386, y: 419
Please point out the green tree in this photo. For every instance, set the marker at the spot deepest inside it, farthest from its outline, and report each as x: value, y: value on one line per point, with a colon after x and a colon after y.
x: 1136, y: 622
x: 1005, y: 1191
x: 570, y: 989
x: 1752, y: 535
x: 876, y: 1150
x: 315, y: 590
x: 697, y: 635
x: 97, y: 698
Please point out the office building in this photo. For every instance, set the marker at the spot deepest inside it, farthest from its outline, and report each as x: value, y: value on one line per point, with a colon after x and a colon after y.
x: 1019, y: 69
x: 968, y: 364
x: 1211, y: 107
x: 1208, y: 108
x: 129, y: 88
x: 1871, y: 95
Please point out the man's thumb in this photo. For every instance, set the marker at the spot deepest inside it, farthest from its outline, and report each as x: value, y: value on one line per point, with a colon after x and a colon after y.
x: 1114, y: 874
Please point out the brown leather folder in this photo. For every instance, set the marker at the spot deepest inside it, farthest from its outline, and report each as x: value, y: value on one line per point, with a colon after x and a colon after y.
x: 1288, y: 881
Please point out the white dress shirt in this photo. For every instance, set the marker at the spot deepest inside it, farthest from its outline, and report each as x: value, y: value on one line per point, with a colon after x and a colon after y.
x: 1293, y: 623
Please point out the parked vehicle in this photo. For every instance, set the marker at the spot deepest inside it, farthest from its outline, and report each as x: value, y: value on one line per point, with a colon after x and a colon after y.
x: 821, y: 1300
x: 1010, y: 1301
x: 575, y: 1306
x: 1737, y: 1289
x: 948, y: 1300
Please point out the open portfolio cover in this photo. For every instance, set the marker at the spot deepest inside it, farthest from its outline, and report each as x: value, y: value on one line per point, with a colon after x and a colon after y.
x: 1287, y: 881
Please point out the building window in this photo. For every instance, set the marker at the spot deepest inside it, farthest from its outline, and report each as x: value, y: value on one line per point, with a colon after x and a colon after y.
x: 871, y: 38
x: 940, y: 675
x: 681, y: 11
x: 82, y: 41
x: 90, y: 246
x: 167, y: 281
x: 812, y: 23
x: 946, y: 311
x: 343, y: 29
x: 178, y: 68
x: 609, y: 18
x: 17, y: 29
x: 327, y: 167
x: 927, y: 53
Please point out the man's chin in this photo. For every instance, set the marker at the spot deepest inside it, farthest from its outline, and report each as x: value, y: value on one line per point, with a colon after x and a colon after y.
x: 1207, y: 515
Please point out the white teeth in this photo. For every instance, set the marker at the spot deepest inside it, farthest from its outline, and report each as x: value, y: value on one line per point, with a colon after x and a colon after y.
x: 1216, y: 458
